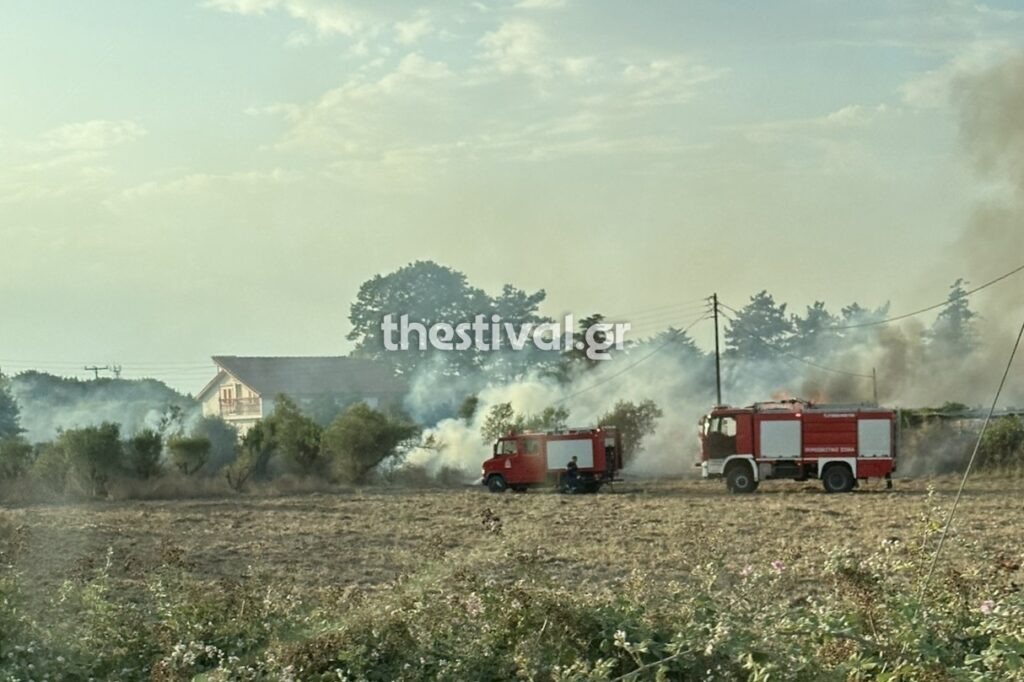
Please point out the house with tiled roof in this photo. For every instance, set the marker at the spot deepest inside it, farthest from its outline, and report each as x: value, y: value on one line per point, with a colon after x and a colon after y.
x: 244, y: 389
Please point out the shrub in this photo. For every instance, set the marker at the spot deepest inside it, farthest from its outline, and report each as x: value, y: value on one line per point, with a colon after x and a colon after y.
x: 361, y: 438
x: 635, y: 421
x: 93, y: 454
x: 1002, y: 445
x: 295, y: 436
x: 188, y: 453
x: 223, y: 442
x: 142, y: 453
x: 51, y: 467
x: 15, y: 458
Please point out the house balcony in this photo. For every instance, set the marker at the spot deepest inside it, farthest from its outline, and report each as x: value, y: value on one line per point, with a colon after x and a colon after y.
x: 240, y: 407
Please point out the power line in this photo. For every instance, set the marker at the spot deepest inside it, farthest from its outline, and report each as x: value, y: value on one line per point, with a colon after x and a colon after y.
x: 662, y: 325
x: 630, y: 367
x: 970, y: 464
x: 785, y: 352
x: 679, y: 304
x: 931, y: 307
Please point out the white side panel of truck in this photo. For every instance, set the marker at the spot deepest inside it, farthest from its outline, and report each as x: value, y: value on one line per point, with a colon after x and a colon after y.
x: 561, y: 451
x: 874, y: 438
x: 780, y: 439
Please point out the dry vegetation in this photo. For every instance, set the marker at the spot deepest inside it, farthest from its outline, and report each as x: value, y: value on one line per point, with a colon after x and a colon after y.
x: 348, y: 551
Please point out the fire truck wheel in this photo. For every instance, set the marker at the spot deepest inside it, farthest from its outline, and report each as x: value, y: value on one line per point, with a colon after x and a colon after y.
x: 837, y: 478
x: 740, y: 479
x: 497, y: 484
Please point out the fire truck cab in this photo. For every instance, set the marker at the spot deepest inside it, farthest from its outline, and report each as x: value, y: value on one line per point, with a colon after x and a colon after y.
x: 798, y: 440
x: 523, y: 460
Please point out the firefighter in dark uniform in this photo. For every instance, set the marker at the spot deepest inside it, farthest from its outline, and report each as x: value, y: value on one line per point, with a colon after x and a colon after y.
x: 572, y: 475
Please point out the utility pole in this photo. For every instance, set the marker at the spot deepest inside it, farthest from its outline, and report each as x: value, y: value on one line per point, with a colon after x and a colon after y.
x: 874, y: 385
x: 718, y: 362
x: 116, y: 369
x: 96, y: 370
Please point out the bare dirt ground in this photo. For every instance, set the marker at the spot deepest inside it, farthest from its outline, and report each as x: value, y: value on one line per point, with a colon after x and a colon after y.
x: 362, y: 539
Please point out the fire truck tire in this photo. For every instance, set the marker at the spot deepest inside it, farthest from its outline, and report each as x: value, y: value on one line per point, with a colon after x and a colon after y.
x: 740, y: 478
x: 837, y: 478
x: 497, y: 484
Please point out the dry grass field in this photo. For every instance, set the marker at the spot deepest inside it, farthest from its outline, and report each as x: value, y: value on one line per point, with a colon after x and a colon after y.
x: 363, y: 539
x: 537, y: 585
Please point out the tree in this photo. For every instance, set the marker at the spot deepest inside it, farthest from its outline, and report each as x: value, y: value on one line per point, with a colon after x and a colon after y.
x: 172, y: 421
x: 573, y: 358
x: 954, y: 330
x: 814, y: 333
x: 467, y: 410
x: 634, y: 421
x: 93, y: 454
x: 188, y: 453
x: 10, y: 415
x: 429, y: 293
x: 500, y: 419
x: 549, y: 419
x: 759, y: 329
x: 15, y: 458
x: 296, y: 436
x: 362, y: 437
x: 677, y: 343
x: 142, y: 453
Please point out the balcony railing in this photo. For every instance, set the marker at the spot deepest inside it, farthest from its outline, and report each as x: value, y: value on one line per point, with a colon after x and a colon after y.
x: 240, y: 407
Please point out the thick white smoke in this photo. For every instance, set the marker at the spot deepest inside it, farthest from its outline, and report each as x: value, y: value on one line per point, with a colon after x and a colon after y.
x: 911, y: 372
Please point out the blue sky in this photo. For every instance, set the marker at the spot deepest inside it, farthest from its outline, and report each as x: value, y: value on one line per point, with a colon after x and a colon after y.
x: 186, y: 179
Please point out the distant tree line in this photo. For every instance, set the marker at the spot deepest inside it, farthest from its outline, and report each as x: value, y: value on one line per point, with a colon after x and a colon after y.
x: 86, y: 461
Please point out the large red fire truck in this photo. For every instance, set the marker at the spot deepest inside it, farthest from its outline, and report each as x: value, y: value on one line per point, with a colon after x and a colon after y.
x: 522, y: 460
x: 794, y: 439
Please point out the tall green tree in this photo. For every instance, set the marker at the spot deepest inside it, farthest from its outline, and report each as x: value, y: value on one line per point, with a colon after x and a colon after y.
x: 815, y: 332
x: 955, y: 328
x: 428, y: 293
x: 759, y: 329
x: 10, y: 414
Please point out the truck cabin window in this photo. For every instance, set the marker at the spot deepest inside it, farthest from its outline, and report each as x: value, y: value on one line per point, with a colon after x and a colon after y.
x: 721, y: 437
x: 505, y: 447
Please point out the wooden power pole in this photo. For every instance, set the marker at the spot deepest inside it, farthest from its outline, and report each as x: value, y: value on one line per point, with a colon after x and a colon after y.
x: 718, y: 361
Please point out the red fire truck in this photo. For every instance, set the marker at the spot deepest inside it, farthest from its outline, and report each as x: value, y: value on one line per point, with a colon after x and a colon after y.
x: 522, y: 460
x: 794, y: 439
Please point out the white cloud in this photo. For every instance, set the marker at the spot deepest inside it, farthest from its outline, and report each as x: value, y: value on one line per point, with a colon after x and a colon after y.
x: 666, y: 79
x: 409, y: 32
x: 849, y: 116
x: 197, y: 183
x: 324, y: 16
x: 854, y: 115
x: 91, y: 136
x: 517, y: 46
x: 931, y: 89
x: 541, y: 4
